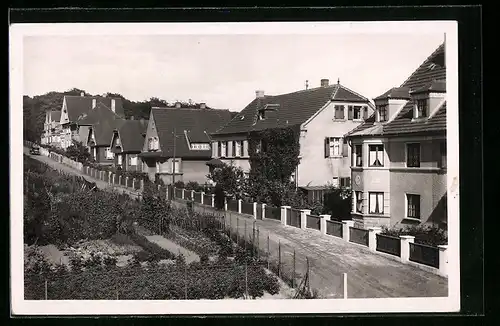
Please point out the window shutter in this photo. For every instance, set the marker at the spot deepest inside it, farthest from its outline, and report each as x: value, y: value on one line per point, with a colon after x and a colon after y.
x: 365, y: 113
x: 327, y: 147
x: 345, y: 148
x: 350, y: 113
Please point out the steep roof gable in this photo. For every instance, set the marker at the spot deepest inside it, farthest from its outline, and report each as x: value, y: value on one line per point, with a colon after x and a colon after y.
x: 198, y: 123
x: 131, y: 134
x: 430, y: 74
x: 78, y: 106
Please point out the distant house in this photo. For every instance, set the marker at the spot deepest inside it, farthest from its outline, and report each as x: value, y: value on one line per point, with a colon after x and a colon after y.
x: 127, y: 142
x: 51, y: 128
x: 100, y: 123
x: 399, y: 153
x: 75, y: 109
x: 322, y: 114
x: 183, y: 134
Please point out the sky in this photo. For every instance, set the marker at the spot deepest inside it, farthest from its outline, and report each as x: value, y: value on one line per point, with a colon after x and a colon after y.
x: 223, y: 70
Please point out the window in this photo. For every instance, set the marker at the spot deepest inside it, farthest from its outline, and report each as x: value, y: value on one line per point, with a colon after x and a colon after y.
x: 376, y: 155
x: 345, y: 182
x: 245, y: 148
x: 413, y: 206
x: 109, y: 154
x: 413, y: 155
x: 153, y: 143
x: 335, y: 182
x: 223, y: 148
x: 339, y: 112
x: 422, y: 108
x: 334, y: 146
x: 358, y: 155
x: 359, y: 201
x: 133, y: 160
x: 354, y: 112
x: 376, y: 202
x: 238, y: 148
x: 176, y: 166
x: 219, y: 149
x: 442, y: 151
x: 382, y: 113
x: 119, y: 159
x: 262, y: 114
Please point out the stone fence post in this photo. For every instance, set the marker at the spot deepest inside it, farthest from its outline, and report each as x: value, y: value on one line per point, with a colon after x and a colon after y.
x: 284, y: 210
x: 405, y: 247
x: 303, y: 218
x: 372, y: 237
x: 322, y: 223
x: 443, y: 259
x: 263, y: 211
x: 254, y: 210
x: 346, y: 229
x: 239, y: 205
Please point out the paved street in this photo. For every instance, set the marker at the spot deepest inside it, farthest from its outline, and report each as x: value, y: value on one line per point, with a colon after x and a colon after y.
x: 369, y: 275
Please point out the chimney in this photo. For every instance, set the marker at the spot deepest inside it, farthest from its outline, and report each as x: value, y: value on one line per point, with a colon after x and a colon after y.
x: 94, y: 103
x: 132, y: 118
x: 113, y: 105
x: 325, y: 82
x: 259, y: 94
x: 82, y: 94
x: 177, y: 105
x: 203, y: 105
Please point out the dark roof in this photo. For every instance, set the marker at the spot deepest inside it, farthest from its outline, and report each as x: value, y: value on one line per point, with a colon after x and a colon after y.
x: 78, y: 106
x: 197, y: 122
x: 293, y: 108
x: 395, y: 93
x: 130, y: 133
x: 215, y: 162
x: 56, y: 115
x: 431, y: 74
x: 437, y: 86
x: 103, y: 122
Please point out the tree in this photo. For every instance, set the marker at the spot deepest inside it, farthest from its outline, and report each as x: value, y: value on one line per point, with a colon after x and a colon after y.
x: 338, y: 203
x: 78, y: 152
x: 231, y: 178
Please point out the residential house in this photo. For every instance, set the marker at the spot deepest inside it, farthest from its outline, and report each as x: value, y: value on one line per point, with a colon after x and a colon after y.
x: 75, y: 109
x: 100, y: 123
x: 399, y: 153
x: 181, y: 136
x: 51, y: 128
x: 127, y: 142
x: 323, y: 115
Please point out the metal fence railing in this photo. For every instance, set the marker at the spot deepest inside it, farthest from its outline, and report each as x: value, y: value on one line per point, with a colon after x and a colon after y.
x: 293, y: 217
x: 313, y: 222
x: 334, y: 228
x: 359, y: 236
x: 424, y: 254
x: 273, y: 213
x: 247, y: 208
x: 389, y: 245
x: 232, y: 205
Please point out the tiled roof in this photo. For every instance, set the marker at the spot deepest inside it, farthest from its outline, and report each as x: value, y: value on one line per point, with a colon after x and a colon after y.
x: 103, y: 122
x: 293, y: 108
x: 56, y: 115
x: 198, y: 123
x: 78, y: 106
x: 433, y: 86
x: 430, y: 74
x: 130, y: 133
x: 402, y: 93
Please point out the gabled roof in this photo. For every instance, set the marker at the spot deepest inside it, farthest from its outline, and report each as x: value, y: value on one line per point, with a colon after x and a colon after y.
x: 56, y: 115
x: 78, y: 106
x: 198, y: 123
x: 400, y: 93
x: 293, y: 108
x: 436, y: 86
x: 103, y: 122
x: 131, y: 134
x: 431, y: 74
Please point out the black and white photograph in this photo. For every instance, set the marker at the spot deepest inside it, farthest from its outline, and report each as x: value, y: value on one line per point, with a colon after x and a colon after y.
x: 221, y: 168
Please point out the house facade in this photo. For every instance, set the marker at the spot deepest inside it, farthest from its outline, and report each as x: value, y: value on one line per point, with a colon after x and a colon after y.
x: 75, y: 110
x: 399, y: 154
x: 51, y: 128
x: 127, y: 143
x: 177, y: 143
x: 323, y: 115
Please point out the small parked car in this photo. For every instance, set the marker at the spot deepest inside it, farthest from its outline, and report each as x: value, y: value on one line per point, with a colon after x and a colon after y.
x: 35, y: 150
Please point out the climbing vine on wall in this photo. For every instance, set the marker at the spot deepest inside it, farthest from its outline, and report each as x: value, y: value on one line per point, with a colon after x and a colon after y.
x: 274, y: 156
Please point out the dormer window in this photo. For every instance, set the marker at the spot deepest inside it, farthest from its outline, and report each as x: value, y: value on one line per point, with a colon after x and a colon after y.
x: 382, y: 113
x: 262, y: 114
x: 422, y: 109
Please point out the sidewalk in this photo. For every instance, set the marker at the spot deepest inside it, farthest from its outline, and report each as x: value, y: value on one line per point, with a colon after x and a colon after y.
x: 368, y: 275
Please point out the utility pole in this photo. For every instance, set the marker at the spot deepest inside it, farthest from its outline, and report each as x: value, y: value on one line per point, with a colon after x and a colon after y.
x: 173, y: 160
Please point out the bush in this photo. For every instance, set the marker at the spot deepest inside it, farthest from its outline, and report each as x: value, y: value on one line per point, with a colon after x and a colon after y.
x: 78, y: 152
x: 151, y: 248
x: 179, y: 184
x: 425, y: 234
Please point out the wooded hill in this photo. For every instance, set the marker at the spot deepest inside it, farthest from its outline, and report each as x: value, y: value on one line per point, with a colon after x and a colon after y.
x: 34, y: 108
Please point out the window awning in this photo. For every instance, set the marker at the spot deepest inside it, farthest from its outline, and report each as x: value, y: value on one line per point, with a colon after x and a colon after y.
x: 215, y: 162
